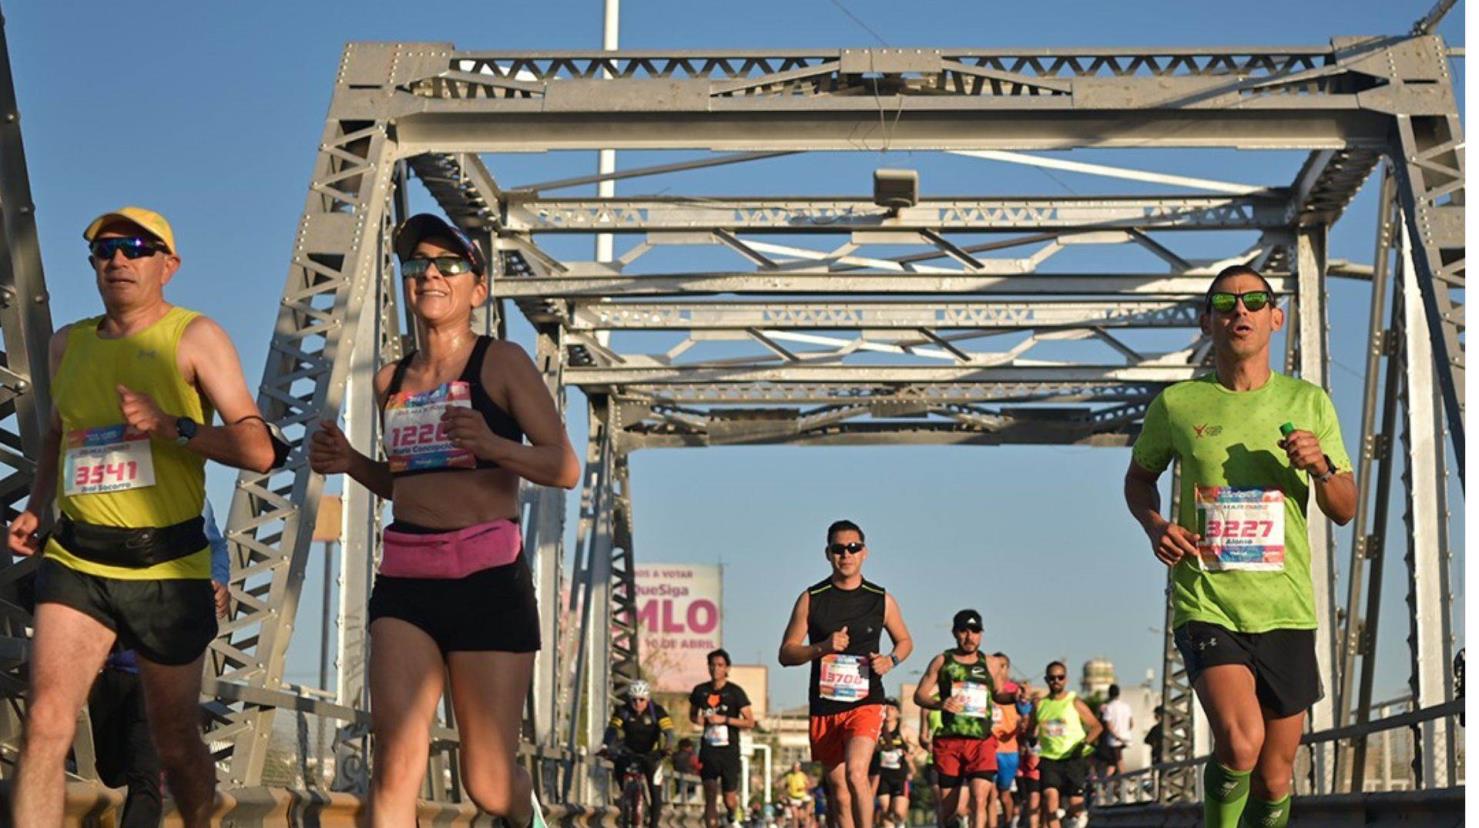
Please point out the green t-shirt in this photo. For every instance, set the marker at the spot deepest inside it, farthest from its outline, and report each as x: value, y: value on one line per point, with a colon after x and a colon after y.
x: 1228, y: 438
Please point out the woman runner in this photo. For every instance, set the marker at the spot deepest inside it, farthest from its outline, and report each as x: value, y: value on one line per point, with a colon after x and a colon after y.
x: 894, y: 767
x: 454, y: 599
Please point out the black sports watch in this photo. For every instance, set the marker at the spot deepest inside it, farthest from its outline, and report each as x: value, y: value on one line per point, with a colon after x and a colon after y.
x: 187, y: 428
x: 1330, y: 470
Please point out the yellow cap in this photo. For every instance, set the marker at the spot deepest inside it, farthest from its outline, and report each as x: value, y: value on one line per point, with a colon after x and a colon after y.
x: 152, y: 223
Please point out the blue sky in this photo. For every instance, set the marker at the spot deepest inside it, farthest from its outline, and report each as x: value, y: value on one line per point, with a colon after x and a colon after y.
x: 211, y: 114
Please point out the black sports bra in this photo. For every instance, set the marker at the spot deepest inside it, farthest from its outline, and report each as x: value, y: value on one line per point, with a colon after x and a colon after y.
x: 499, y: 421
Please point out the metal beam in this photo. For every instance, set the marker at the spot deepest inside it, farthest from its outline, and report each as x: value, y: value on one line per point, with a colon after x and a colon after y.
x: 843, y: 215
x: 1265, y: 97
x: 652, y: 374
x: 635, y: 316
x: 851, y: 282
x: 885, y: 396
x: 1311, y: 334
x: 1429, y: 599
x: 25, y: 380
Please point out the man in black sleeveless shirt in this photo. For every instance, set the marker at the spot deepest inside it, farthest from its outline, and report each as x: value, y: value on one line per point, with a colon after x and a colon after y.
x: 837, y: 628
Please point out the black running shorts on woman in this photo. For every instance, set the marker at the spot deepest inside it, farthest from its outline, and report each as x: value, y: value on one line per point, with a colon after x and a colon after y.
x: 493, y: 609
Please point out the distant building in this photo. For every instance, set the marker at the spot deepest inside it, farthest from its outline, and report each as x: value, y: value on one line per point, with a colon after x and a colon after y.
x: 1098, y: 674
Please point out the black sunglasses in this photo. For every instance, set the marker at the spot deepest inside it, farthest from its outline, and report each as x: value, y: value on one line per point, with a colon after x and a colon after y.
x: 446, y: 265
x: 133, y: 247
x: 1253, y: 300
x: 1056, y: 678
x: 840, y: 548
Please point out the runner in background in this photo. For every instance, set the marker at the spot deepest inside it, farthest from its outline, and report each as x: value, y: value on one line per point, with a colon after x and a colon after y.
x: 723, y: 709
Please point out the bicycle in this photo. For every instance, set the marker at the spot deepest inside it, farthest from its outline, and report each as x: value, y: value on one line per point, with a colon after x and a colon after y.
x: 635, y: 802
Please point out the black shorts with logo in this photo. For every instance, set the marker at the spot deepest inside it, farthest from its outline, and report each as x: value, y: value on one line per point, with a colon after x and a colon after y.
x: 893, y: 785
x: 168, y: 621
x: 1285, y: 673
x: 723, y: 765
x: 1068, y: 776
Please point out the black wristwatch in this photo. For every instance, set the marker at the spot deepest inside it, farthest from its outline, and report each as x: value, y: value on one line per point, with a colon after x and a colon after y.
x: 187, y: 428
x: 1330, y: 471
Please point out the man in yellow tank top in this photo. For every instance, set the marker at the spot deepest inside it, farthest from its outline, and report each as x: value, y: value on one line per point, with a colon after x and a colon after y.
x: 124, y: 457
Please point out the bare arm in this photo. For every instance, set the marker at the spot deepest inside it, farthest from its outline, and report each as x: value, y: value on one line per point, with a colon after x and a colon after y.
x: 210, y: 359
x: 1091, y: 722
x: 23, y: 536
x: 1337, y: 497
x: 1169, y: 541
x: 329, y: 451
x: 794, y: 649
x: 43, y: 485
x: 745, y: 720
x: 927, y: 692
x: 893, y: 621
x: 548, y: 459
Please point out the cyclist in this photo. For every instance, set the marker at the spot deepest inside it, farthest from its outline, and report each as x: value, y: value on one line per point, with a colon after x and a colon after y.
x: 640, y: 733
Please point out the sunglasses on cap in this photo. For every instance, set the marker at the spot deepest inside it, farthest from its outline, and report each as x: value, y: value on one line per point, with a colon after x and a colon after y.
x: 446, y: 265
x: 133, y: 247
x: 844, y: 548
x: 1253, y: 300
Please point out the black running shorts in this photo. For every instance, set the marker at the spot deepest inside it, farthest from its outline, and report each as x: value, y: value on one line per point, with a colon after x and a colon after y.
x: 169, y: 621
x: 493, y: 609
x: 893, y: 785
x: 1068, y: 776
x: 723, y: 765
x: 1285, y: 674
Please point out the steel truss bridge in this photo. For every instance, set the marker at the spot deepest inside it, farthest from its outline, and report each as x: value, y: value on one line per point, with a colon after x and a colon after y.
x: 820, y: 332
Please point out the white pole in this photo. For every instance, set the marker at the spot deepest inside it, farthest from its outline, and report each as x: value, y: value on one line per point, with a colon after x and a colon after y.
x: 607, y: 161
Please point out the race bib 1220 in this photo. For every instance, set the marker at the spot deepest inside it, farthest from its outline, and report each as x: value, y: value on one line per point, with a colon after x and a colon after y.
x: 415, y: 436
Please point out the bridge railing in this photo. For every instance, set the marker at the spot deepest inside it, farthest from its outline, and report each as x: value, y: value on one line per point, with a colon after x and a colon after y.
x: 1142, y: 786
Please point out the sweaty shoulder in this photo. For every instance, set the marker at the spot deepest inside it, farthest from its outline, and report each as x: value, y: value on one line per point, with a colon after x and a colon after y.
x: 501, y: 357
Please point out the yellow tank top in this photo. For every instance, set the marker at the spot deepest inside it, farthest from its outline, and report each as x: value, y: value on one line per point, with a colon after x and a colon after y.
x: 797, y: 784
x: 85, y: 393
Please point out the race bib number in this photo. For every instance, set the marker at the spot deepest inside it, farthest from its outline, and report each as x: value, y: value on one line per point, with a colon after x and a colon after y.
x: 1055, y: 728
x: 844, y: 677
x: 975, y: 698
x: 716, y: 735
x: 890, y: 759
x: 107, y: 459
x: 996, y: 715
x: 1241, y: 529
x: 415, y: 436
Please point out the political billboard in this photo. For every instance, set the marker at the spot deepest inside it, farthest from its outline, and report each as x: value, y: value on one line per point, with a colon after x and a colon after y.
x: 679, y: 620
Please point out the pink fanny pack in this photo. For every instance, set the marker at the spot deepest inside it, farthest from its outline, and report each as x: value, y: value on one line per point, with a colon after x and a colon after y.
x: 454, y: 554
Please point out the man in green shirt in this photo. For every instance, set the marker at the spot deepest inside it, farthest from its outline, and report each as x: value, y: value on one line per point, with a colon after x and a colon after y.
x: 1239, y: 549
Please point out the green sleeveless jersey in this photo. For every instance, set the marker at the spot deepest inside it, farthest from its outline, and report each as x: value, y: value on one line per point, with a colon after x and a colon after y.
x: 972, y: 684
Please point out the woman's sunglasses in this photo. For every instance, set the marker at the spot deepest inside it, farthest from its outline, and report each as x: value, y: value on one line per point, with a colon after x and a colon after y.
x: 446, y: 265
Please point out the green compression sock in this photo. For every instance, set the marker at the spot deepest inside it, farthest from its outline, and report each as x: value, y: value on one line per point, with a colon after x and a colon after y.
x: 1224, y: 793
x: 1261, y: 814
